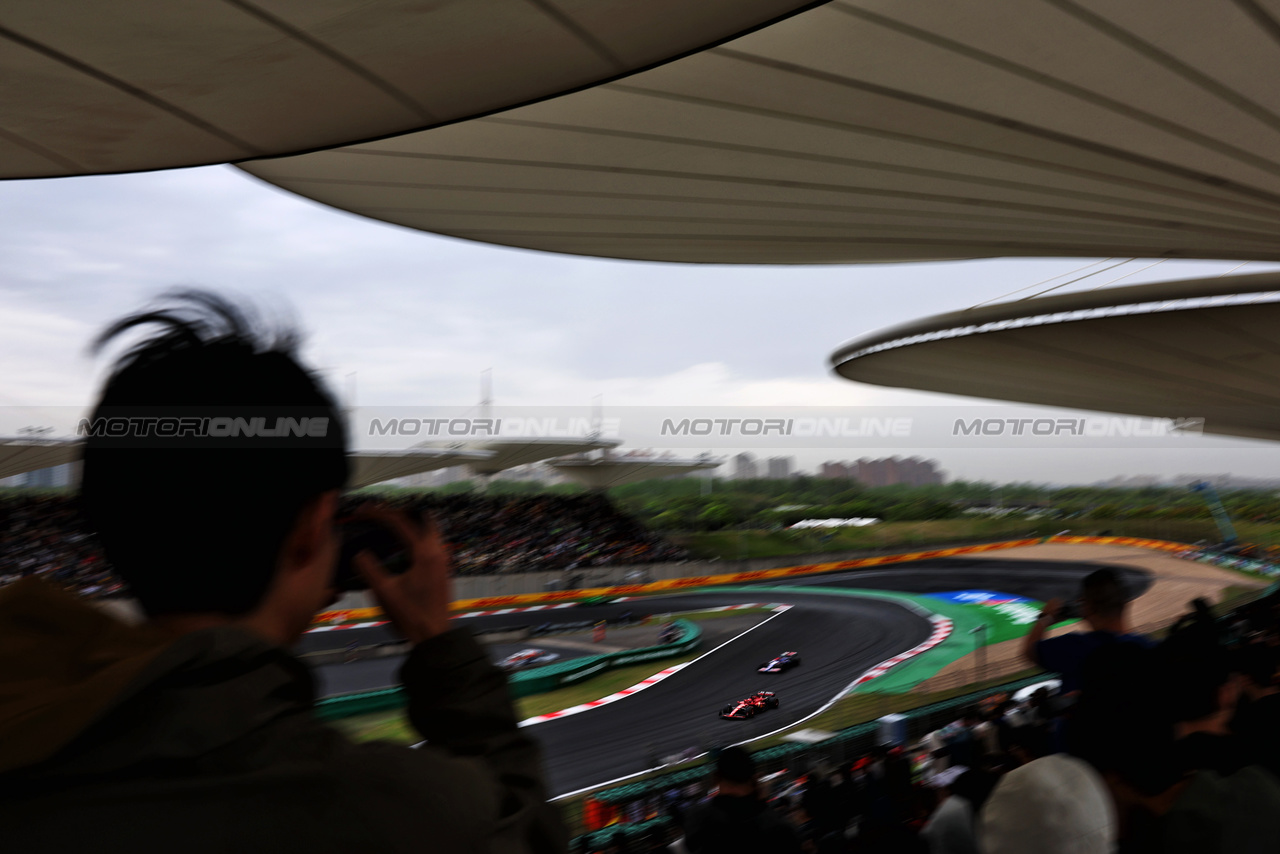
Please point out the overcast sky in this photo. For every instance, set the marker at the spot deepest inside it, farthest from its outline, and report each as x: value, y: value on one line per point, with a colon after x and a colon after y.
x: 417, y: 317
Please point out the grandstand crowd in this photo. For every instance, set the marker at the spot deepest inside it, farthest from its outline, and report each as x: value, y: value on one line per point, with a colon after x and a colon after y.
x: 1168, y: 747
x: 45, y: 536
x: 493, y: 535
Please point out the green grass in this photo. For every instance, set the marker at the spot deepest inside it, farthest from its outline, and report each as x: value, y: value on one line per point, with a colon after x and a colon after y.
x: 603, y: 685
x: 379, y: 726
x: 732, y: 545
x: 904, y: 536
x: 393, y: 726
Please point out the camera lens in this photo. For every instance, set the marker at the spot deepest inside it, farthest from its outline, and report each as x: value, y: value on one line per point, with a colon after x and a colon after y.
x: 383, y: 543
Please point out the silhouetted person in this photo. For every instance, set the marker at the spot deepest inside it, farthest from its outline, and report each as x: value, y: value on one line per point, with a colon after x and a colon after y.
x: 1103, y: 606
x: 194, y: 731
x: 736, y: 819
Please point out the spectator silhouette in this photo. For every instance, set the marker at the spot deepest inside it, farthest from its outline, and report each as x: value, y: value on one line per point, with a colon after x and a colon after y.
x: 194, y: 731
x: 736, y: 819
x: 1103, y: 606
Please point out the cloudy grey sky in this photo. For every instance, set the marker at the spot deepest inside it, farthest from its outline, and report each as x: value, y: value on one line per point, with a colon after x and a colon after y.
x: 417, y: 317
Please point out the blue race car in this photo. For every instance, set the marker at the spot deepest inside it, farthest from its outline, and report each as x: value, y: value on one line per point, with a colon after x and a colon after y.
x: 783, y: 662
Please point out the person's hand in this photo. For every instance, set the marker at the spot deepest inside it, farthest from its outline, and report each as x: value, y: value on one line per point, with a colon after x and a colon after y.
x: 1050, y: 612
x: 417, y: 600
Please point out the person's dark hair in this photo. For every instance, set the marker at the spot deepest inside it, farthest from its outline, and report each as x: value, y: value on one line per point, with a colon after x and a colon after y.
x: 1104, y: 592
x: 975, y: 786
x: 735, y: 765
x: 1034, y: 741
x: 196, y: 524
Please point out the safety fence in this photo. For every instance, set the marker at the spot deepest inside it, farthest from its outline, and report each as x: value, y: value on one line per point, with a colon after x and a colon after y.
x: 536, y: 680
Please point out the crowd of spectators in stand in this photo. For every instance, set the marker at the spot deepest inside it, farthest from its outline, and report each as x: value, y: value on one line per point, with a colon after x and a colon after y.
x: 497, y: 534
x: 1165, y: 748
x: 45, y: 536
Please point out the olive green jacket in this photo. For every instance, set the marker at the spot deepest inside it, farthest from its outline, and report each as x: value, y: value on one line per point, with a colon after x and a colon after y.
x: 113, y: 738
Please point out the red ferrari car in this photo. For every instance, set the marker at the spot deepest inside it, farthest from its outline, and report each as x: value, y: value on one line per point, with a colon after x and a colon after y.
x: 743, y: 709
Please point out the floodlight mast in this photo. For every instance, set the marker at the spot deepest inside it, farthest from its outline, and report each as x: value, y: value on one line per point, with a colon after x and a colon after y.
x: 1210, y: 495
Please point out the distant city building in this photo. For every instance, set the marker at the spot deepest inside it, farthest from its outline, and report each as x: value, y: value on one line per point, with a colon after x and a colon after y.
x: 889, y: 471
x: 835, y: 471
x: 744, y: 467
x: 780, y: 468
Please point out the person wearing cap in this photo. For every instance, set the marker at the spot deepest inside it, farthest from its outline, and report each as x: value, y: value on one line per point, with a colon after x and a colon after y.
x: 737, y: 819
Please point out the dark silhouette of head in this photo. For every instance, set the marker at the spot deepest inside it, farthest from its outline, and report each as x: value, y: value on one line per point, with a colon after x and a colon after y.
x: 194, y: 521
x: 735, y: 765
x: 1103, y: 595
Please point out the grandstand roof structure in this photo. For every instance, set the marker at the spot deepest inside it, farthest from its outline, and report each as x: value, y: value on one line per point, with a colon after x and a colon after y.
x: 20, y: 455
x: 370, y: 467
x: 1197, y: 348
x: 503, y: 454
x: 609, y: 471
x: 861, y: 131
x: 126, y: 85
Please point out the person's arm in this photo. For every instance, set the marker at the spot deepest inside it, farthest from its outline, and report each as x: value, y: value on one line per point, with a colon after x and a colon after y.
x: 1038, y: 630
x: 459, y: 702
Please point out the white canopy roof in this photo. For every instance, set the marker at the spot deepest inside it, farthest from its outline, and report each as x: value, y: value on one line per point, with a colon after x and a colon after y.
x: 122, y: 85
x: 1199, y: 348
x: 866, y: 130
x: 615, y: 471
x: 19, y: 455
x: 370, y: 467
x: 503, y: 454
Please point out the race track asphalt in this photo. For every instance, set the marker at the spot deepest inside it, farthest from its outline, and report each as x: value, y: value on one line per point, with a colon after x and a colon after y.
x: 838, y: 637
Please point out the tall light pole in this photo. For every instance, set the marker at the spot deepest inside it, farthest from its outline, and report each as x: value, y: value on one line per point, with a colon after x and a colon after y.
x: 979, y: 633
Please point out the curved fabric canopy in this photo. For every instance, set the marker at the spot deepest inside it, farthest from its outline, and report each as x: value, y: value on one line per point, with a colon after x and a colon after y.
x: 21, y: 455
x: 610, y: 471
x: 502, y: 454
x: 1199, y: 348
x: 124, y: 85
x: 370, y: 467
x: 870, y: 130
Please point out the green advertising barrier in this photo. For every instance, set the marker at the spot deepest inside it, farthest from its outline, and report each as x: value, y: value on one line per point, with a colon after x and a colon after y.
x: 366, y: 702
x: 540, y: 680
x: 537, y: 680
